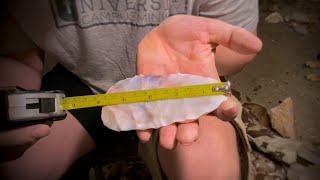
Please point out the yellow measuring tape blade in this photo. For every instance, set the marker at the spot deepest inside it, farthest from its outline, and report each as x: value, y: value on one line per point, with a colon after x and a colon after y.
x: 77, y: 102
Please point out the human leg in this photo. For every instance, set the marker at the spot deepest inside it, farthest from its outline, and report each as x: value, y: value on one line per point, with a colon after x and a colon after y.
x: 50, y: 157
x: 69, y: 139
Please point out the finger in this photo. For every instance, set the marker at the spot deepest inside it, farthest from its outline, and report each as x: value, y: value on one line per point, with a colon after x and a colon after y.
x: 23, y: 135
x: 233, y: 37
x: 227, y: 110
x: 167, y: 137
x: 144, y: 135
x: 187, y: 132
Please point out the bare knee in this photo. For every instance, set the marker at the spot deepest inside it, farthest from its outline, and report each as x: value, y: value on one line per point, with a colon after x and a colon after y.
x: 213, y: 156
x: 31, y: 58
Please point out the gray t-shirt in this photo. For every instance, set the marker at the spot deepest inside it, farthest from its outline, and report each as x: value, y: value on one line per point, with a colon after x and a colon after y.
x: 97, y: 39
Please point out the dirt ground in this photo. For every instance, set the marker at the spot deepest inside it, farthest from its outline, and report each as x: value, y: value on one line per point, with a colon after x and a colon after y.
x: 279, y: 71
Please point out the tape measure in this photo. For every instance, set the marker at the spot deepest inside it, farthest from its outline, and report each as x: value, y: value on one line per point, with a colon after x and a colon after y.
x: 19, y: 106
x: 77, y: 102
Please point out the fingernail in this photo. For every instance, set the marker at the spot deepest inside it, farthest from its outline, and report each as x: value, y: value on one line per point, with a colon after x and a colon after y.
x: 41, y: 131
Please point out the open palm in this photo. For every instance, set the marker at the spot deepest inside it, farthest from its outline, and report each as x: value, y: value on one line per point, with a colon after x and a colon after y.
x: 184, y: 44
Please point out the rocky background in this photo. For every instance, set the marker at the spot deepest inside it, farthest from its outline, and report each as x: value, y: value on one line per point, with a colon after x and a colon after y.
x: 280, y: 92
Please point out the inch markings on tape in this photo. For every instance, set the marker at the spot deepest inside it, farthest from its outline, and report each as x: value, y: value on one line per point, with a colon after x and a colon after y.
x: 77, y: 102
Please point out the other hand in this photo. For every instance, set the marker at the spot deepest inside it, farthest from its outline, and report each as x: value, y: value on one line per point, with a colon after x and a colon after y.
x: 14, y: 141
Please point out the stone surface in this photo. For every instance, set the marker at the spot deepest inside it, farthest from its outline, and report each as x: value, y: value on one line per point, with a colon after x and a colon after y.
x: 274, y: 17
x: 267, y: 141
x: 312, y: 155
x: 260, y: 112
x: 264, y: 165
x: 156, y: 114
x: 282, y: 119
x: 261, y: 167
x: 279, y: 148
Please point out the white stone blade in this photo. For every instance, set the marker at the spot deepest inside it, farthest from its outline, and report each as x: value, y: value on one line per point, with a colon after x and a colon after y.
x: 155, y: 114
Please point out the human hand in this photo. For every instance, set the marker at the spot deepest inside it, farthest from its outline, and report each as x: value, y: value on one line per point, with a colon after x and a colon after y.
x: 184, y: 44
x: 14, y: 141
x: 23, y: 70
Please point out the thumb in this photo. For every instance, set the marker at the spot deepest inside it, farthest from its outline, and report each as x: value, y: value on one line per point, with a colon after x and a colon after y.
x: 23, y: 135
x: 228, y: 110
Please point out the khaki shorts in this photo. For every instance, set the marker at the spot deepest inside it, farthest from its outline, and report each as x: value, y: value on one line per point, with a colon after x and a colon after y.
x: 148, y: 151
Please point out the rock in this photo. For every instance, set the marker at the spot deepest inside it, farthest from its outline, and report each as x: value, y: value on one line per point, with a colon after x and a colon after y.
x: 261, y: 167
x: 311, y: 155
x: 282, y: 119
x: 274, y: 17
x: 260, y: 112
x: 313, y: 64
x: 281, y: 149
x: 281, y: 172
x: 313, y: 77
x: 267, y: 141
x: 264, y: 165
x: 300, y: 172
